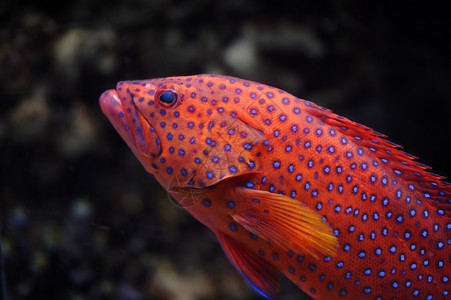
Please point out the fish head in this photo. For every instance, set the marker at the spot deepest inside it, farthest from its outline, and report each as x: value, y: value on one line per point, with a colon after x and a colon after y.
x: 184, y: 132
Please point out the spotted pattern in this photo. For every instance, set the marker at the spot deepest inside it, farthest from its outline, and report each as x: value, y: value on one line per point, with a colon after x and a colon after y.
x: 391, y: 217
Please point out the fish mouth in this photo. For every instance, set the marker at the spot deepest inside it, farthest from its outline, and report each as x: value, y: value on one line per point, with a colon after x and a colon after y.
x: 136, y: 131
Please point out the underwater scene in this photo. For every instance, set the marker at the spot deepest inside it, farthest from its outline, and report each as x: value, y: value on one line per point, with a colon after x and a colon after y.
x: 89, y: 206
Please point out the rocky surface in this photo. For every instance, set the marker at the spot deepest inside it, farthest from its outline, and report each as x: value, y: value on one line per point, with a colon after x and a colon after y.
x: 80, y: 217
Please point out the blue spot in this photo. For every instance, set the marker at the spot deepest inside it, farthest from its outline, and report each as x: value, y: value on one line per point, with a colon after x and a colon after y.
x: 364, y: 217
x: 247, y: 146
x: 206, y: 202
x: 424, y: 233
x: 233, y: 227
x: 169, y: 170
x: 276, y: 164
x: 232, y: 169
x: 330, y: 187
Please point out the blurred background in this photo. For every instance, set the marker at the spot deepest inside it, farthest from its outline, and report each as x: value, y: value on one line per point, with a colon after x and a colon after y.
x: 81, y: 219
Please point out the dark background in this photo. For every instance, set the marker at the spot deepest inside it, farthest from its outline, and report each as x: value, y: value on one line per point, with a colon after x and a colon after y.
x: 81, y: 219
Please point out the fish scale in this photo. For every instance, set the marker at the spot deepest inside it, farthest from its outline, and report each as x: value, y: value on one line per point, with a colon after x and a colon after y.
x: 291, y: 188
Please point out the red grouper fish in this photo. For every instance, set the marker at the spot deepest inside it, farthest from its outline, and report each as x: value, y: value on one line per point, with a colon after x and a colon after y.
x: 291, y: 188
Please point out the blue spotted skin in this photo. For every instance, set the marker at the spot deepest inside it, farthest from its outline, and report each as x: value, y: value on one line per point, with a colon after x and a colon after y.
x: 229, y: 150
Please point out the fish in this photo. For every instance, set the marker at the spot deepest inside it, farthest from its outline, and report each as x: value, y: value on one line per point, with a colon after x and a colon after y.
x: 290, y: 188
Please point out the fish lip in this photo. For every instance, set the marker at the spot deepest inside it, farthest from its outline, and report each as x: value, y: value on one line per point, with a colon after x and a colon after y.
x: 113, y: 109
x: 129, y: 125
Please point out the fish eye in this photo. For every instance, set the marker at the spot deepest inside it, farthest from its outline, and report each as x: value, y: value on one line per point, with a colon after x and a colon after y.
x: 167, y: 98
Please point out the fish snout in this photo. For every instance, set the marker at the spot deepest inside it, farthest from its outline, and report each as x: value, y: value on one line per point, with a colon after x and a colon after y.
x: 131, y: 125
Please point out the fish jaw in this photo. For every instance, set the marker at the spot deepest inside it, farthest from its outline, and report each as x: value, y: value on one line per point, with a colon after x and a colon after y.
x: 131, y: 125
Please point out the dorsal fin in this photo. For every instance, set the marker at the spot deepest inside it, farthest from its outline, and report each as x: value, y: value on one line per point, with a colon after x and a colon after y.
x: 401, y: 163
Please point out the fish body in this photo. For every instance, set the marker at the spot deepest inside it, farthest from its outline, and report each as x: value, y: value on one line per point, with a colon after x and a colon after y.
x: 291, y: 188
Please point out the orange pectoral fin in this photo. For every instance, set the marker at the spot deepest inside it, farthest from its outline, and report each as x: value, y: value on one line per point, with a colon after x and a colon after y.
x: 285, y: 222
x: 263, y: 277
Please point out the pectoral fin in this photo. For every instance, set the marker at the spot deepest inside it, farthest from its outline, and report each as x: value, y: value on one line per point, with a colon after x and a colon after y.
x: 285, y: 222
x: 263, y: 277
